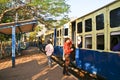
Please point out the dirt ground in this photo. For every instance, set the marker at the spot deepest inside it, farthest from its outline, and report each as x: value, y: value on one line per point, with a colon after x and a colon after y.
x: 31, y: 66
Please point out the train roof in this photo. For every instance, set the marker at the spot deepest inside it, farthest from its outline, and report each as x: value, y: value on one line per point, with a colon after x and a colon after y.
x: 96, y: 10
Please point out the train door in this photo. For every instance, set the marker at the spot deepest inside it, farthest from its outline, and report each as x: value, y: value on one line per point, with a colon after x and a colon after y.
x: 73, y: 32
x: 73, y: 37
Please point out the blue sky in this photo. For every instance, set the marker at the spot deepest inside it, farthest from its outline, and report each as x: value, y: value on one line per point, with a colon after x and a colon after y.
x: 81, y: 7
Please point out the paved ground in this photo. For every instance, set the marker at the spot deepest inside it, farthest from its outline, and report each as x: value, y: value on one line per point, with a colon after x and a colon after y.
x: 31, y: 66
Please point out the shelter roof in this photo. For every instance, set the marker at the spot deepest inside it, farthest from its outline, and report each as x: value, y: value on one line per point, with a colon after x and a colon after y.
x: 21, y: 26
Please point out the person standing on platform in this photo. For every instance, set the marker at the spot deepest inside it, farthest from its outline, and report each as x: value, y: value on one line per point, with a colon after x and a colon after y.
x: 40, y: 45
x: 67, y: 50
x: 49, y: 50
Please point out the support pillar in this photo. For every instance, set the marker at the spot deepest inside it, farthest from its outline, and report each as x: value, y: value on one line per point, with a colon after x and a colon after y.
x: 55, y: 34
x: 13, y: 46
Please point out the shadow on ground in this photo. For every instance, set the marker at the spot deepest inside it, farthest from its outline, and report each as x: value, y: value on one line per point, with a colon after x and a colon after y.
x: 33, y: 67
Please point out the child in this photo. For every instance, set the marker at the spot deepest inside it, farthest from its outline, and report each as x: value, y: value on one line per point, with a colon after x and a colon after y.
x: 49, y: 50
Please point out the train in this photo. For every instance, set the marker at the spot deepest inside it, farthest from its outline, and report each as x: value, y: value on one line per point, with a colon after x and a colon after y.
x: 99, y: 35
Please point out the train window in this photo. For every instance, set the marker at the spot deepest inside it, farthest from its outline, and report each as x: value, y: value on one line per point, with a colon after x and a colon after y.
x: 57, y: 33
x: 100, y: 41
x: 73, y: 31
x: 79, y: 41
x: 88, y: 41
x: 115, y: 41
x: 100, y: 22
x: 66, y: 31
x: 79, y: 27
x: 115, y: 18
x: 88, y: 25
x: 60, y: 32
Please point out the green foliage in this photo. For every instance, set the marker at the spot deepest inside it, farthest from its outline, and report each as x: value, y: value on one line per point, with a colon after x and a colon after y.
x: 7, y: 19
x: 1, y: 37
x: 32, y: 36
x: 43, y: 10
x: 38, y: 28
x: 4, y: 37
x: 4, y: 1
x: 48, y: 12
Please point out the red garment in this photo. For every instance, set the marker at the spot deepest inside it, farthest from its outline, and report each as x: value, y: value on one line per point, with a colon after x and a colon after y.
x: 67, y: 48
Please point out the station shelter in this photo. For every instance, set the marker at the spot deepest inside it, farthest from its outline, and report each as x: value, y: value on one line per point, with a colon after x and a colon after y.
x: 17, y: 27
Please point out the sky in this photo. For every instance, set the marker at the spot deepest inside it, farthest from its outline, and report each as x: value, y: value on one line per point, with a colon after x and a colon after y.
x: 81, y: 7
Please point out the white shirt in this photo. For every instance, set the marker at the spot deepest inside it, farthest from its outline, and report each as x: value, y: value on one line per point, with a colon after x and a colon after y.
x: 49, y: 49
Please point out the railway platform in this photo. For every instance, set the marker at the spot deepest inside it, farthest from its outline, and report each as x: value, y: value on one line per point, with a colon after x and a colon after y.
x: 31, y: 65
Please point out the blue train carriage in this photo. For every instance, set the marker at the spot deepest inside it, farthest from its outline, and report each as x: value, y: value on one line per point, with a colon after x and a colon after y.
x: 61, y: 33
x: 99, y: 36
x: 58, y: 48
x: 57, y: 38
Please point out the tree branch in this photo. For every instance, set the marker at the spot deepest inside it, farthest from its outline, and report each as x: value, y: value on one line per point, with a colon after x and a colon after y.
x: 2, y: 15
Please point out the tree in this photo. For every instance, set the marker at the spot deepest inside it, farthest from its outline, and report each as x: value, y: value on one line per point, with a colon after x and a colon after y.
x: 34, y: 34
x: 47, y: 12
x: 50, y: 13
